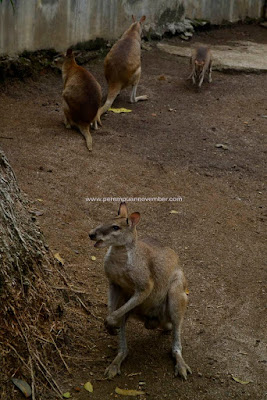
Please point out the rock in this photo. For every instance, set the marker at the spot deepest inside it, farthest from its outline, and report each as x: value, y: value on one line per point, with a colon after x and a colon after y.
x: 146, y: 46
x: 242, y: 56
x: 222, y: 146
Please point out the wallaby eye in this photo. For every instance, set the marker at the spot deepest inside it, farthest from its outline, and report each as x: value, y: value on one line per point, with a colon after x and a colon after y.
x: 116, y: 227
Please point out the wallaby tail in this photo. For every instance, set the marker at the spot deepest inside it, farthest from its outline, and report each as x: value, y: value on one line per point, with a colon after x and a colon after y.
x: 113, y: 92
x: 85, y: 130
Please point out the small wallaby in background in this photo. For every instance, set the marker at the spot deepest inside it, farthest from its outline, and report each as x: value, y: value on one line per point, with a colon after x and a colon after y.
x: 122, y: 66
x: 145, y: 280
x: 201, y: 63
x: 81, y: 97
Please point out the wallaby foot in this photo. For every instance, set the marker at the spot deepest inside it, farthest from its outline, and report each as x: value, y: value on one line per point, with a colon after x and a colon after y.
x: 134, y: 98
x: 85, y: 130
x: 181, y: 368
x: 115, y: 367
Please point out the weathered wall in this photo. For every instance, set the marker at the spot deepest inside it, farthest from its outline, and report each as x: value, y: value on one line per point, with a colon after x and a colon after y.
x: 42, y: 24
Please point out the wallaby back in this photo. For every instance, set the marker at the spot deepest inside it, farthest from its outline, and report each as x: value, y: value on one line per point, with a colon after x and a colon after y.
x: 122, y: 66
x: 81, y: 91
x: 124, y: 58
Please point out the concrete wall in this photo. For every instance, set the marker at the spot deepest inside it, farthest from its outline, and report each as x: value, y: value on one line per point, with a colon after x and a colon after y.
x: 43, y: 24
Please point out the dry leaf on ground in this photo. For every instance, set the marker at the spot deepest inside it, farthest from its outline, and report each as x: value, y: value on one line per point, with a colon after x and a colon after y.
x: 128, y: 392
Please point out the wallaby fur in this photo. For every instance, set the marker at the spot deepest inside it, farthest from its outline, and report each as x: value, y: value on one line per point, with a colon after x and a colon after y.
x: 145, y: 280
x: 122, y: 66
x: 81, y: 97
x: 201, y: 63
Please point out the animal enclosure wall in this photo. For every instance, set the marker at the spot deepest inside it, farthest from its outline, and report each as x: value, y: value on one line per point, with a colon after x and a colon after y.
x: 43, y: 24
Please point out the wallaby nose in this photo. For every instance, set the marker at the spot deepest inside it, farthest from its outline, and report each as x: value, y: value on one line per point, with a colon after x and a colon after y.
x: 92, y: 236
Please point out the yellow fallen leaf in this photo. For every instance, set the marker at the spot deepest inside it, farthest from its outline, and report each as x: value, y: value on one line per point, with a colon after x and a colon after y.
x: 60, y: 259
x: 89, y: 387
x: 174, y: 212
x: 93, y: 258
x: 187, y: 291
x: 66, y: 395
x: 126, y: 392
x: 119, y: 110
x: 240, y: 381
x: 40, y: 200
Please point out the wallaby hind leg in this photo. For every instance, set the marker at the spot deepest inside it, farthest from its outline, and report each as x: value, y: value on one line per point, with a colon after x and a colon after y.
x: 210, y: 71
x: 85, y: 130
x: 115, y: 367
x: 113, y: 92
x: 67, y: 119
x: 177, y: 305
x: 115, y: 300
x: 135, y: 80
x: 202, y: 75
x: 134, y: 98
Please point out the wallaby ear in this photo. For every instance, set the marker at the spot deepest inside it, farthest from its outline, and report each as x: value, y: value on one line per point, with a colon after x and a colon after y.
x: 123, y: 211
x: 69, y: 52
x: 135, y: 218
x: 133, y: 18
x: 142, y: 19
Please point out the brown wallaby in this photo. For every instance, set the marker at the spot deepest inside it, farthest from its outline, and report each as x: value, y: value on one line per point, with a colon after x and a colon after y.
x: 81, y: 97
x: 122, y: 66
x: 145, y: 280
x: 201, y: 63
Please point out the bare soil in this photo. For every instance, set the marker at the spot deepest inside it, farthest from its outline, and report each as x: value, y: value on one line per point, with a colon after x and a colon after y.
x: 165, y: 147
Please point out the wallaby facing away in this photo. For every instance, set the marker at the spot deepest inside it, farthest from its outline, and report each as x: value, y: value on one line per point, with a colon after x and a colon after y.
x: 201, y: 63
x: 122, y: 66
x: 145, y: 280
x: 81, y: 97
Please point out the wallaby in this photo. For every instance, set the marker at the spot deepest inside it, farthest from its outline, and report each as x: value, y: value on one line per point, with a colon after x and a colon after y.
x: 122, y: 66
x: 81, y: 97
x: 145, y: 280
x: 201, y: 63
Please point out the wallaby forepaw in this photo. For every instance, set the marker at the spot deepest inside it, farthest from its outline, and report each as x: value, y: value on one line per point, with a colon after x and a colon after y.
x: 112, y: 330
x: 112, y: 370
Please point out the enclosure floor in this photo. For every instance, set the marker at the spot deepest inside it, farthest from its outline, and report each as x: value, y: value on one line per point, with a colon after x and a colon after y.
x: 165, y: 147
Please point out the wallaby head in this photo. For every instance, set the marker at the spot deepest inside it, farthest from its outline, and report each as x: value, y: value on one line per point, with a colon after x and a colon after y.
x: 119, y: 231
x: 64, y: 58
x: 137, y: 25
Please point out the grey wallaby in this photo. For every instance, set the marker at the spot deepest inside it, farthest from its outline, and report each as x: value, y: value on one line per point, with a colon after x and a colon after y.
x: 201, y: 62
x: 145, y: 280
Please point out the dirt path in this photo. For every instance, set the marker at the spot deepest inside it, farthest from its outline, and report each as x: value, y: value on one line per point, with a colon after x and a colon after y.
x: 166, y: 147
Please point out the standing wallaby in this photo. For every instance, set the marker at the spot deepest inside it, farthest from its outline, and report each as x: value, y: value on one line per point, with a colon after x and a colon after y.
x: 201, y: 63
x: 81, y: 97
x: 122, y: 66
x: 145, y: 280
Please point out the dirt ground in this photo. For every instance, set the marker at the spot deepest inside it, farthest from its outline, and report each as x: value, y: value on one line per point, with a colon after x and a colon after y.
x: 165, y: 147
